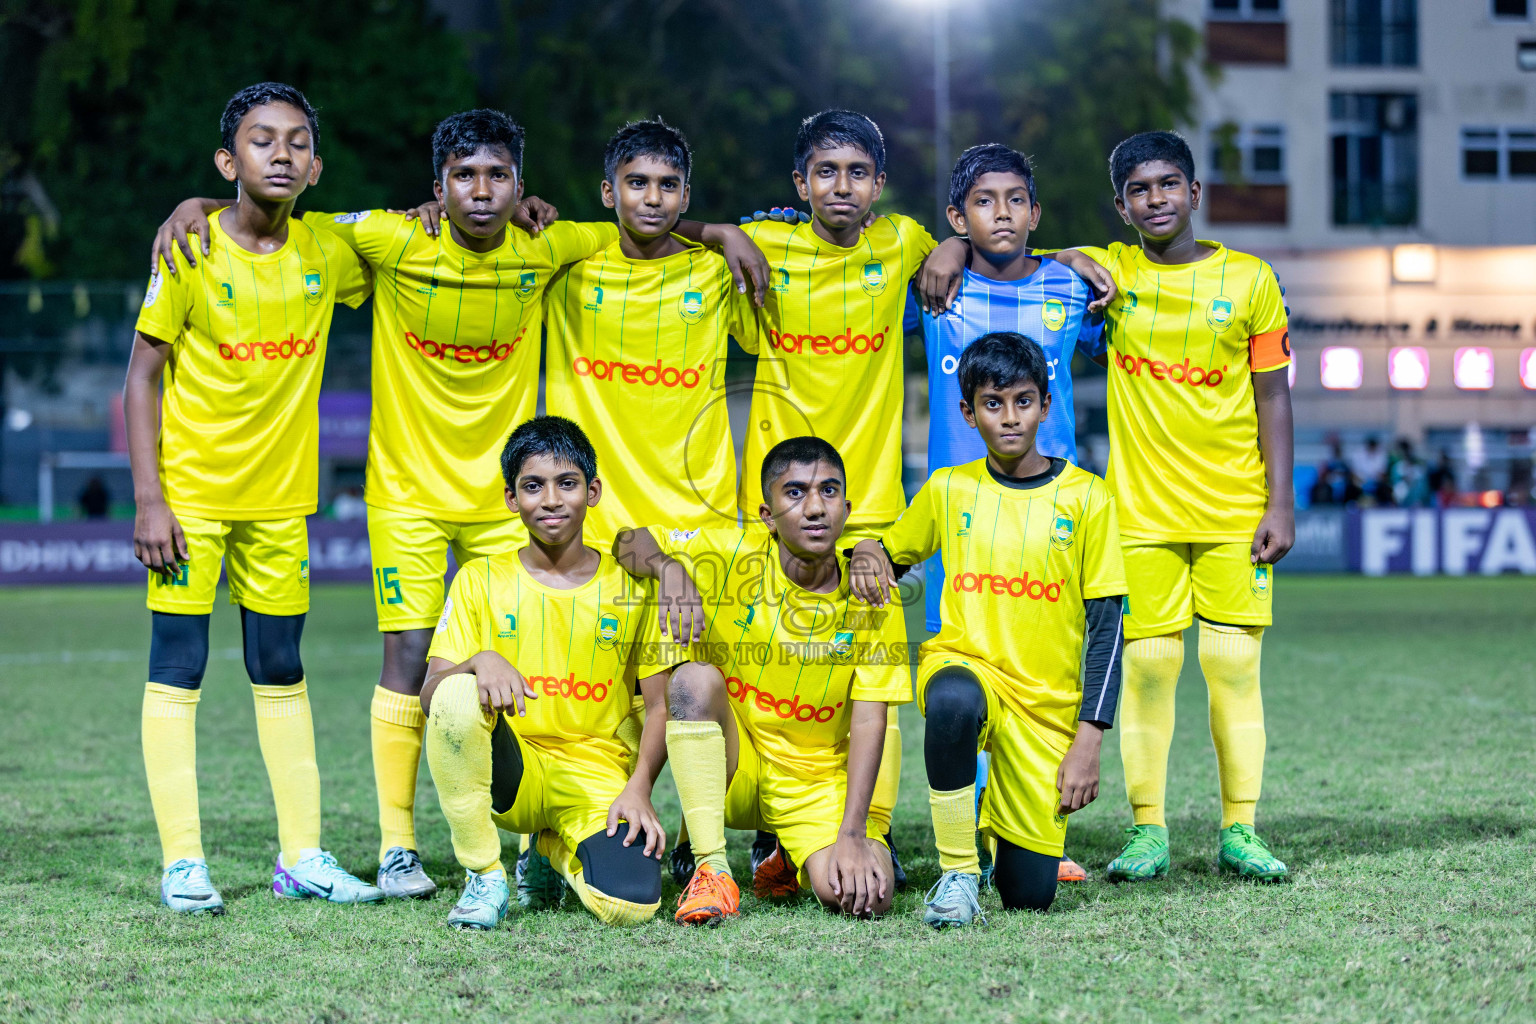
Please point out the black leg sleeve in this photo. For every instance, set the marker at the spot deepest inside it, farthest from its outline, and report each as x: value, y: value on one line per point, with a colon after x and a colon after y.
x: 178, y: 650
x: 955, y: 708
x: 1025, y: 880
x: 506, y: 767
x: 271, y: 645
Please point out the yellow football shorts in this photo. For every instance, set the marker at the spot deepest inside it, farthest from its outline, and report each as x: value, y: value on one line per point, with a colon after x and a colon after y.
x: 1170, y: 583
x: 267, y: 561
x: 630, y: 729
x: 410, y: 559
x: 568, y: 796
x: 805, y: 815
x: 1021, y: 801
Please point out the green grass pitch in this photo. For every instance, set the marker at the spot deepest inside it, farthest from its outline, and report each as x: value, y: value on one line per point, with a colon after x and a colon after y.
x: 1401, y: 718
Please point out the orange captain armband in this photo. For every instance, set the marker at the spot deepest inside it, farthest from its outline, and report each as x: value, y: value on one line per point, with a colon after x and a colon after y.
x: 1269, y: 351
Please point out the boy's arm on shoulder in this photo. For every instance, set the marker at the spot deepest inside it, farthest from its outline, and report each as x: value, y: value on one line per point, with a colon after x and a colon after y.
x: 572, y: 241
x: 189, y: 218
x: 914, y: 536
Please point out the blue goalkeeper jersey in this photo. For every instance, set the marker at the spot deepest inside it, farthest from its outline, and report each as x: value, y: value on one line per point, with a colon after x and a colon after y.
x: 1049, y: 306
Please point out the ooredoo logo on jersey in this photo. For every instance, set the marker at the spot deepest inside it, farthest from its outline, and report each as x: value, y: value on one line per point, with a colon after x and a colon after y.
x: 1185, y: 372
x: 846, y: 343
x: 447, y: 351
x: 291, y: 347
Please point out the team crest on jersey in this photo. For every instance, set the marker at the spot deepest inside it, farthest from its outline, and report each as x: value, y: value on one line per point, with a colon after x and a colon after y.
x: 780, y: 280
x: 842, y: 646
x: 351, y: 218
x: 153, y: 291
x: 1061, y: 820
x: 510, y: 633
x: 873, y: 277
x: 1219, y: 313
x: 313, y: 287
x: 691, y: 307
x: 527, y: 283
x: 304, y: 572
x: 1259, y: 584
x: 1053, y: 315
x: 1061, y: 532
x: 607, y: 631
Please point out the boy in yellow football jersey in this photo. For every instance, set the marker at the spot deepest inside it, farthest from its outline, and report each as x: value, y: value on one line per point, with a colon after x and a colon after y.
x: 455, y: 365
x: 638, y: 337
x: 526, y: 698
x: 1027, y: 664
x: 780, y: 722
x: 224, y: 471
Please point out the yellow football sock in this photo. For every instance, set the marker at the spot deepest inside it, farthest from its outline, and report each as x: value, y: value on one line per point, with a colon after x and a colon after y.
x: 459, y: 753
x: 610, y: 909
x: 1151, y: 668
x: 398, y: 726
x: 1229, y: 657
x: 169, y: 724
x: 954, y: 828
x: 888, y: 782
x: 696, y: 751
x: 287, y: 735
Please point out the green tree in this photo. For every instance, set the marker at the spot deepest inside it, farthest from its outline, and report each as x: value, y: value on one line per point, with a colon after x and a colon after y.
x: 113, y: 106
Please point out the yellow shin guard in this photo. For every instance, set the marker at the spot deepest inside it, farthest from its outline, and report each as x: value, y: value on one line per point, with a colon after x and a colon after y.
x: 1229, y: 657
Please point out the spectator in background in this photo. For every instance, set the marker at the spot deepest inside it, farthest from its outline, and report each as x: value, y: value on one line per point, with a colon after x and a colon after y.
x: 95, y: 499
x: 1406, y: 477
x: 349, y: 504
x: 1442, y: 480
x: 1336, y: 483
x: 1369, y: 466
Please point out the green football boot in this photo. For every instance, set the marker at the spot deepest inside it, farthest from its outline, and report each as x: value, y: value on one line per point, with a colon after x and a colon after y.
x: 1244, y: 852
x: 539, y: 885
x: 1144, y: 855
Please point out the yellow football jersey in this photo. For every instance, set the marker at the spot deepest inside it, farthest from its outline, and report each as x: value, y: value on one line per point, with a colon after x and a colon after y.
x: 1019, y: 563
x: 832, y: 365
x: 572, y: 647
x: 1184, y: 456
x: 792, y: 659
x: 637, y: 353
x: 239, y: 414
x: 455, y: 355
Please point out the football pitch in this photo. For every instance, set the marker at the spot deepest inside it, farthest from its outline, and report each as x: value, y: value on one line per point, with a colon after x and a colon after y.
x: 1401, y: 717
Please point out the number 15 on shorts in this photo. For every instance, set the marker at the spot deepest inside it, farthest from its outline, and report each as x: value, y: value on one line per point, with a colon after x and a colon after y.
x: 386, y: 583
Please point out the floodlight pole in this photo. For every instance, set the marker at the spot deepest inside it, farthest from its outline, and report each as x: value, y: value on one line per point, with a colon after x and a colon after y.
x: 940, y: 117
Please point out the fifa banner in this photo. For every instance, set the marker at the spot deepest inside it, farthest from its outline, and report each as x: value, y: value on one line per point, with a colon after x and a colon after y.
x: 1377, y: 542
x: 102, y: 552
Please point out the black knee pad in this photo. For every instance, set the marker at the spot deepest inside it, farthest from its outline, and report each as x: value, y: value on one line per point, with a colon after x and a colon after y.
x: 623, y: 872
x: 178, y: 649
x: 955, y: 709
x: 506, y: 767
x: 271, y: 645
x: 1024, y: 879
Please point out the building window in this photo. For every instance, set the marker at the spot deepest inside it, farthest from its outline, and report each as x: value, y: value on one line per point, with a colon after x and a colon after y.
x: 1375, y: 139
x: 1258, y: 10
x: 1516, y: 9
x: 1489, y: 154
x: 1246, y: 184
x: 1374, y: 33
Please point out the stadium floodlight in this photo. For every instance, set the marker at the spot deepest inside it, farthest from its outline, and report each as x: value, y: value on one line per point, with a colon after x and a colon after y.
x: 1342, y: 368
x: 1528, y: 369
x: 1472, y: 368
x: 1415, y: 263
x: 1408, y: 368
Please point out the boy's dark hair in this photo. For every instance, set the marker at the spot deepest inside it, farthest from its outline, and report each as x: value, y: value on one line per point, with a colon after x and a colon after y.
x: 832, y: 128
x: 1002, y: 359
x: 261, y: 94
x: 798, y: 451
x: 469, y: 131
x: 988, y: 158
x: 647, y: 138
x: 554, y: 436
x: 1146, y: 147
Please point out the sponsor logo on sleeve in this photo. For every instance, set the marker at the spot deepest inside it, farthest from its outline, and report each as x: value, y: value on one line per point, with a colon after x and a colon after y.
x: 153, y: 291
x: 351, y: 218
x: 442, y: 623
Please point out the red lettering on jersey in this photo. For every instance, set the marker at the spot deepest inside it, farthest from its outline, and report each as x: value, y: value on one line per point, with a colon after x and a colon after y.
x: 492, y: 351
x: 291, y: 347
x: 785, y: 707
x: 1176, y: 373
x: 1006, y: 586
x: 838, y: 344
x: 570, y: 687
x: 649, y: 374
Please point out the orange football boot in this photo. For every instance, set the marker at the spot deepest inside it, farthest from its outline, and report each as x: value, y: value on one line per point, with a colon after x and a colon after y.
x: 775, y: 878
x: 709, y: 899
x: 1070, y: 870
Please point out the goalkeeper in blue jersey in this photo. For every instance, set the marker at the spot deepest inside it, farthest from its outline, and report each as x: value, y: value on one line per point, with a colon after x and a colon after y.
x: 992, y: 203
